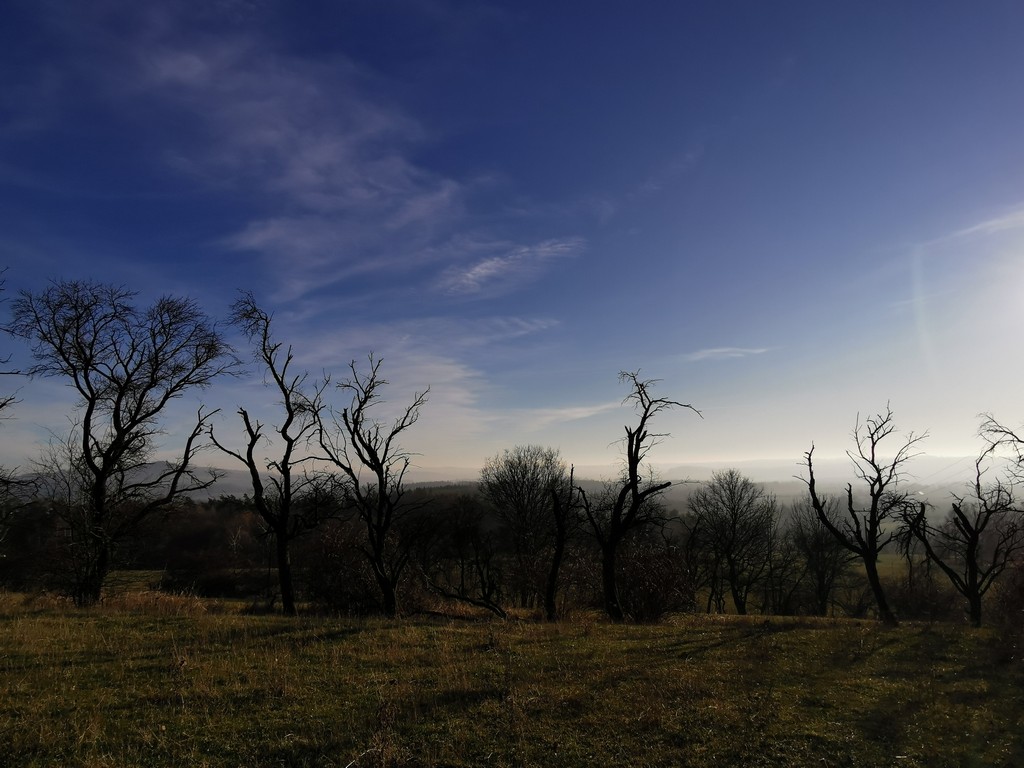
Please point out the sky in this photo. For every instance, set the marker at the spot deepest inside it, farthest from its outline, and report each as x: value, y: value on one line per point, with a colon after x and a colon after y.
x: 787, y: 213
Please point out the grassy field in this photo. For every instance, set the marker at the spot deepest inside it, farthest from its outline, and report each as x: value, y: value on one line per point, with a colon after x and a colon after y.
x: 163, y: 681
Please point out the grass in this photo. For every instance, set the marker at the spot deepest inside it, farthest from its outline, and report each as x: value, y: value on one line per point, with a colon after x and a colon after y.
x: 159, y: 681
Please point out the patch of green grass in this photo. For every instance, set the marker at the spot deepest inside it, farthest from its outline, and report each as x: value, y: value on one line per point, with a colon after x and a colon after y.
x: 172, y: 683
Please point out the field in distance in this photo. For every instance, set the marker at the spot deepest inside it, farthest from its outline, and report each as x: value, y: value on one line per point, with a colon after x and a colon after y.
x: 158, y: 680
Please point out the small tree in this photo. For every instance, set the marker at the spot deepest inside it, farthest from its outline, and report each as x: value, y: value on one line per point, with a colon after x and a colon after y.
x: 460, y: 560
x: 359, y: 445
x: 981, y: 536
x: 290, y: 498
x: 630, y: 503
x: 654, y: 574
x: 736, y: 519
x: 533, y: 496
x: 867, y: 530
x: 823, y: 556
x: 126, y: 364
x: 516, y: 482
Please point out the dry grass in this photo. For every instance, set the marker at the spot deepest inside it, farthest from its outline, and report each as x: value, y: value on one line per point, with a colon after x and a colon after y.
x: 151, y: 680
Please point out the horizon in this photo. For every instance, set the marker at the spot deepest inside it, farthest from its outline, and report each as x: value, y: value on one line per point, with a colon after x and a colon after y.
x: 942, y: 472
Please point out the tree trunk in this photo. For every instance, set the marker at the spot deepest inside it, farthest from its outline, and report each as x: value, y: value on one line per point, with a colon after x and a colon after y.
x: 739, y: 594
x: 885, y: 614
x: 609, y: 582
x: 388, y: 596
x: 822, y: 593
x: 284, y: 574
x: 974, y: 604
x: 739, y: 600
x: 89, y: 588
x: 551, y: 592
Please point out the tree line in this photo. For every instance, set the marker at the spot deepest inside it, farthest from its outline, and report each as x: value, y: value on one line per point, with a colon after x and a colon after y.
x: 328, y: 483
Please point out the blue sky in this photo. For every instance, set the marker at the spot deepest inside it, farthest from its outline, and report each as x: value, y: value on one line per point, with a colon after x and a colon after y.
x: 788, y: 213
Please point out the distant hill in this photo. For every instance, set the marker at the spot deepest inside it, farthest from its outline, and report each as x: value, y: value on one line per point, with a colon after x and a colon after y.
x: 934, y: 478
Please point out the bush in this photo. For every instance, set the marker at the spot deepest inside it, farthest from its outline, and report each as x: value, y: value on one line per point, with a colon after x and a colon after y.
x: 220, y: 582
x: 339, y: 578
x: 1007, y: 613
x: 928, y: 597
x: 653, y: 578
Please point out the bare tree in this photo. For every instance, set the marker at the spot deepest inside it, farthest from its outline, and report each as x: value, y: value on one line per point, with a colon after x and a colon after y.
x: 736, y: 518
x: 654, y: 572
x: 867, y: 530
x: 566, y: 504
x: 359, y: 445
x: 290, y: 497
x: 824, y: 557
x: 6, y: 400
x: 783, y: 582
x: 631, y: 502
x: 981, y: 536
x: 460, y: 561
x: 1004, y: 439
x: 9, y: 484
x: 126, y: 364
x: 516, y: 482
x: 533, y: 496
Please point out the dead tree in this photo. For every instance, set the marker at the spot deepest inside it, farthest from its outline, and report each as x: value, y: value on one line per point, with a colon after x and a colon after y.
x: 290, y: 497
x: 631, y: 502
x: 373, y: 465
x: 867, y: 530
x: 981, y: 536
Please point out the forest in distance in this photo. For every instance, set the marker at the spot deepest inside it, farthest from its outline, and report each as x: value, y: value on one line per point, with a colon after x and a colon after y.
x: 328, y: 520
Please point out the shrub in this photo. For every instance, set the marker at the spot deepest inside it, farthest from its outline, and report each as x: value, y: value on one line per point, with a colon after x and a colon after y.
x: 1006, y: 613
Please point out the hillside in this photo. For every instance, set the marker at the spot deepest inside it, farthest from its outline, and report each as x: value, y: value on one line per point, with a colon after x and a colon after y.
x: 161, y: 681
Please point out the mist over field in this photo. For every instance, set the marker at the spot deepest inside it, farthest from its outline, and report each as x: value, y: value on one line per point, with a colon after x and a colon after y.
x: 932, y: 478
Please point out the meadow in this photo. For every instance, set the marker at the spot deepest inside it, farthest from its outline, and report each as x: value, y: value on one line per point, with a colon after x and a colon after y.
x: 158, y: 680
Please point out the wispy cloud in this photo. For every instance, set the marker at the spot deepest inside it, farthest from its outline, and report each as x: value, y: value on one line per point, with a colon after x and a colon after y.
x: 541, y: 418
x: 337, y: 165
x: 723, y: 353
x: 495, y: 274
x: 1014, y: 219
x: 303, y: 136
x: 333, y: 347
x: 1011, y: 219
x: 321, y: 167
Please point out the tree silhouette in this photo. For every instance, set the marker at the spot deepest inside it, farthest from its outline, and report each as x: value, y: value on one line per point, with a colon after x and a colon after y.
x: 358, y: 444
x: 735, y: 519
x: 127, y: 365
x: 981, y: 536
x: 867, y: 530
x: 631, y: 502
x: 533, y: 496
x: 290, y: 497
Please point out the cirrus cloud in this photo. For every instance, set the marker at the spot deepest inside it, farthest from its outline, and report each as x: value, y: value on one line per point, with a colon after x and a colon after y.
x: 723, y: 353
x: 508, y: 270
